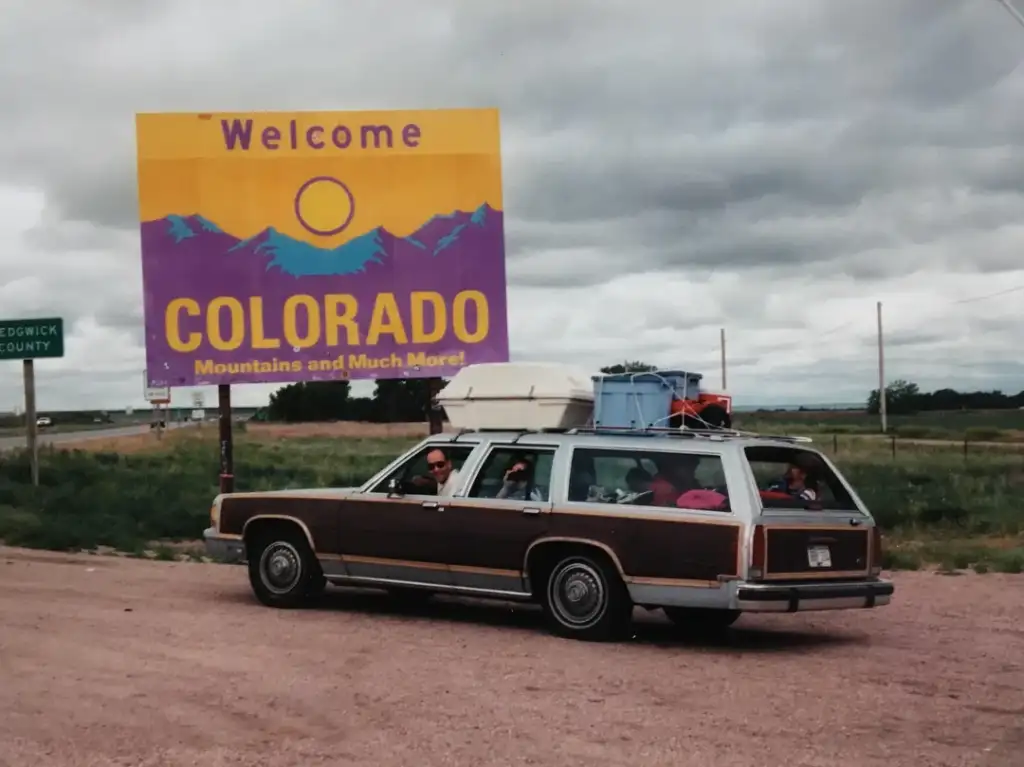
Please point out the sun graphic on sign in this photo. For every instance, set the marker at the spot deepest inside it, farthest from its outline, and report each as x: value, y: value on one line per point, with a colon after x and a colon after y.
x: 324, y: 206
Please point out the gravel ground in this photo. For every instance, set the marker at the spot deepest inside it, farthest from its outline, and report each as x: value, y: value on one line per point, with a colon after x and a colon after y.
x: 116, y: 661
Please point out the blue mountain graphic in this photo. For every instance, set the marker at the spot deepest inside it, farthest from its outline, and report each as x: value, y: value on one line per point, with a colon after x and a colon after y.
x: 181, y: 227
x: 300, y: 259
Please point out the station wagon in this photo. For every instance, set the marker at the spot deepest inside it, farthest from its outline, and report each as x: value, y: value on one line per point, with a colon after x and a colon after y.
x: 588, y: 523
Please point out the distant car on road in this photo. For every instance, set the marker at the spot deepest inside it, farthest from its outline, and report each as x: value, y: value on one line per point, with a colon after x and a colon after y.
x: 43, y: 421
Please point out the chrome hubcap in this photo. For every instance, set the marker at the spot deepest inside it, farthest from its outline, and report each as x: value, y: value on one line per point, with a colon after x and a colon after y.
x: 577, y: 595
x: 280, y: 567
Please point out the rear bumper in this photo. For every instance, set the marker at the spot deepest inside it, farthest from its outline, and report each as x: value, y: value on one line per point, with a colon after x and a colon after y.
x: 792, y: 597
x: 223, y: 548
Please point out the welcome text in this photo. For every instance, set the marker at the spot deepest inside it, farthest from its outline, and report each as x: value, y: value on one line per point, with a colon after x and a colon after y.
x: 239, y: 134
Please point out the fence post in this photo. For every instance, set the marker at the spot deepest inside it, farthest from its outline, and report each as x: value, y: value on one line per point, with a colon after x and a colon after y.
x: 835, y: 444
x: 893, y: 438
x: 965, y: 447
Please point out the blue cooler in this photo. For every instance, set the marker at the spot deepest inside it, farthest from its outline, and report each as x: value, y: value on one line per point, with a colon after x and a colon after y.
x: 640, y: 400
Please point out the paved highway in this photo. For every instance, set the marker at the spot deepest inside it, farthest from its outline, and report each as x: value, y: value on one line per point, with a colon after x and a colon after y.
x: 58, y: 438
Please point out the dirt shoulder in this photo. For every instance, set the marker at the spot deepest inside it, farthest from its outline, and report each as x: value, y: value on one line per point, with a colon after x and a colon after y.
x: 107, y: 660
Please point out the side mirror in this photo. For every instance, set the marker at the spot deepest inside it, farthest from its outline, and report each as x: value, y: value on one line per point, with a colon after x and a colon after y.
x: 394, y: 486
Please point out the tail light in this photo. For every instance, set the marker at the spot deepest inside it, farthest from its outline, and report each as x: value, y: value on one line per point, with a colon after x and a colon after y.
x: 757, y: 553
x: 876, y: 550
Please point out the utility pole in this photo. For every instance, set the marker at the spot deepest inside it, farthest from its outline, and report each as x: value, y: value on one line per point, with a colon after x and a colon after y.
x: 721, y: 344
x: 881, y: 373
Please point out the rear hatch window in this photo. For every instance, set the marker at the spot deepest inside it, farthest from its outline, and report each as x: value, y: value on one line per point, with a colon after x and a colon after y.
x: 793, y: 478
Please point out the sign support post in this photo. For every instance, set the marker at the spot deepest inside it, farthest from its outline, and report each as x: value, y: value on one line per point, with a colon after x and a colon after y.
x: 158, y: 397
x: 29, y: 340
x: 31, y: 429
x: 227, y: 459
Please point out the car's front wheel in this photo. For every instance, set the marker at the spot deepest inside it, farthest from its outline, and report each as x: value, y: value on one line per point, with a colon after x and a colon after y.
x: 585, y: 598
x: 283, y: 571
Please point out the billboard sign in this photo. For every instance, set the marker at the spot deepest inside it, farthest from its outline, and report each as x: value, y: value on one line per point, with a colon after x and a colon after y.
x: 306, y: 246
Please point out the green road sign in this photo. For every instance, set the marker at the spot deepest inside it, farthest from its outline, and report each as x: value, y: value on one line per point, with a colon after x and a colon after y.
x: 31, y: 339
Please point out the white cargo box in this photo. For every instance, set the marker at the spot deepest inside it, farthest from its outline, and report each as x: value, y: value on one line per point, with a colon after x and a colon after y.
x: 519, y: 395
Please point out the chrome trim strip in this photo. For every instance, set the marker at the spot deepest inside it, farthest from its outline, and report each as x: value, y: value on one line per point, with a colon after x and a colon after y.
x: 347, y: 580
x: 811, y: 605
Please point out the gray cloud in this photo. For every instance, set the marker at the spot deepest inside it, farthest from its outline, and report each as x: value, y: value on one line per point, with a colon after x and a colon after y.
x: 769, y: 168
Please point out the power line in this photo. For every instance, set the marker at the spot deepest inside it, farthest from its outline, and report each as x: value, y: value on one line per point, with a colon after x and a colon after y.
x: 1012, y: 11
x: 989, y: 295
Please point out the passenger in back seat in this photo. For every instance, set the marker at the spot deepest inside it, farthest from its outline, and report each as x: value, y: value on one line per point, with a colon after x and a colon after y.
x: 799, y: 481
x: 673, y: 479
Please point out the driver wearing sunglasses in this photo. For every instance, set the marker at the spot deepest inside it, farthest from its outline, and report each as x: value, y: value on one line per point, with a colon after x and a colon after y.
x: 442, y: 471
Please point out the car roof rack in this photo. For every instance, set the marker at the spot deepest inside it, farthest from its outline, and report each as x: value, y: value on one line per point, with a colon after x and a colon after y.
x: 661, y: 431
x: 651, y: 431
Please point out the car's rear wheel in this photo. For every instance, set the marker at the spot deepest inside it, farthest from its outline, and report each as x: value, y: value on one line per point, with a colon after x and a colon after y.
x: 701, y: 618
x: 584, y: 598
x: 283, y: 571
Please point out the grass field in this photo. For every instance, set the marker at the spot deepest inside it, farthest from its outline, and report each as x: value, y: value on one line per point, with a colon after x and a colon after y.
x: 958, y: 425
x: 936, y: 504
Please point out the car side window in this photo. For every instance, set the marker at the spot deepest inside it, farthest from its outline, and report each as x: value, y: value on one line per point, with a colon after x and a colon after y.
x: 648, y: 478
x: 515, y: 473
x: 416, y: 468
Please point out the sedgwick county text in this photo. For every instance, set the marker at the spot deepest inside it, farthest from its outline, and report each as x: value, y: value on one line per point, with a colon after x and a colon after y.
x: 306, y: 322
x: 341, y: 363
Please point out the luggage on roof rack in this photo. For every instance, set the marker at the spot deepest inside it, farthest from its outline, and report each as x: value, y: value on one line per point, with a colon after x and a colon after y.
x: 514, y: 396
x: 641, y: 400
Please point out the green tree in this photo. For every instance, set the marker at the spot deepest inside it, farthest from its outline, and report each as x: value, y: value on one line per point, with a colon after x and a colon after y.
x: 629, y: 366
x: 901, y: 398
x: 310, y: 401
x: 403, y: 399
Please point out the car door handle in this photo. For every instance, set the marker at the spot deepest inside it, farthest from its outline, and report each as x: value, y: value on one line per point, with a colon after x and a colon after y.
x: 531, y: 510
x: 430, y: 504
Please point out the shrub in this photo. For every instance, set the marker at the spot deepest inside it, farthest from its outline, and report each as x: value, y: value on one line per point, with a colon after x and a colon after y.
x: 87, y: 499
x: 983, y: 434
x: 900, y: 559
x: 1010, y: 561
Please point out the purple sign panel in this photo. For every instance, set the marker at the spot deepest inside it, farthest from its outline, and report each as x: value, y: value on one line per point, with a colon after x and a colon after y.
x: 281, y: 247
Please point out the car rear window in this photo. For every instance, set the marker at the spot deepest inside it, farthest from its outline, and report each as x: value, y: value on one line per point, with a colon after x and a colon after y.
x: 795, y: 478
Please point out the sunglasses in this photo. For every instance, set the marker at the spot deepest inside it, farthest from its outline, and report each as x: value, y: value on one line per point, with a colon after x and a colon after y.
x: 437, y: 464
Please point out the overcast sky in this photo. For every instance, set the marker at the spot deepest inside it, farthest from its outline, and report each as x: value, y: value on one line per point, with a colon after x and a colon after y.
x: 671, y: 168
